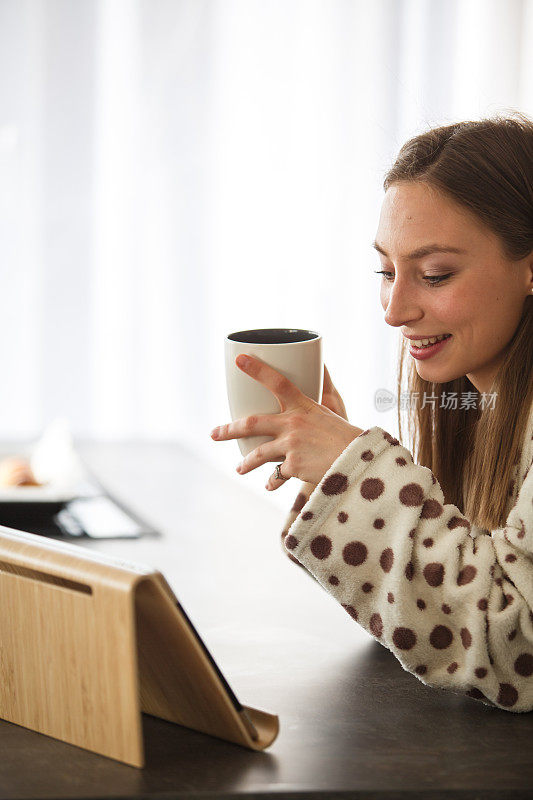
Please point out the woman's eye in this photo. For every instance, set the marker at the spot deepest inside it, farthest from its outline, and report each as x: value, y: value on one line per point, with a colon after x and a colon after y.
x: 433, y: 280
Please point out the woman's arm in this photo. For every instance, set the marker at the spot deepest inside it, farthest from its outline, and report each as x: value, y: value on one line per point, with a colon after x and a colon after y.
x: 454, y: 607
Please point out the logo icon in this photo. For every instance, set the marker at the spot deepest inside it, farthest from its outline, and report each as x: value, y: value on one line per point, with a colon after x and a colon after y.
x: 384, y: 400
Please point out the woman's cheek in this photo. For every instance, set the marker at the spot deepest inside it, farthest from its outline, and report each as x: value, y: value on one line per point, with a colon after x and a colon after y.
x: 451, y: 306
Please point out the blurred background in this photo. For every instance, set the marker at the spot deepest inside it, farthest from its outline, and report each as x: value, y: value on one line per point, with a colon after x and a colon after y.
x: 175, y: 170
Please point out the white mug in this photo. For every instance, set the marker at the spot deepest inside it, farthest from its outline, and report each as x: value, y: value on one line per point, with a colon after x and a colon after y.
x: 297, y: 354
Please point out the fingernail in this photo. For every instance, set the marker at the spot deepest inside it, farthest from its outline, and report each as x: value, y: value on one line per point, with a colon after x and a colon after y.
x: 238, y: 467
x: 243, y: 361
x: 214, y: 433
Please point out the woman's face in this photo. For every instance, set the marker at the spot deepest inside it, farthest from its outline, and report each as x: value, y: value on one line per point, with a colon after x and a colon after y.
x: 422, y: 234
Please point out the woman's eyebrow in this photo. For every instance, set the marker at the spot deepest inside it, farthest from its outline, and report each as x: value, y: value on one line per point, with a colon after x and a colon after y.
x: 420, y: 252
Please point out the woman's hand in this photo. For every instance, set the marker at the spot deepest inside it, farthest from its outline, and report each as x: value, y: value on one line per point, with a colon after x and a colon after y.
x: 331, y: 398
x: 308, y: 437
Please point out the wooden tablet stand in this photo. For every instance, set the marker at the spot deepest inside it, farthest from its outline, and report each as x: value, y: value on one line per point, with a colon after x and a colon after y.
x: 87, y: 642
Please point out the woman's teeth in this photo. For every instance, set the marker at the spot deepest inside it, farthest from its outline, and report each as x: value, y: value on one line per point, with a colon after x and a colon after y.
x: 426, y: 342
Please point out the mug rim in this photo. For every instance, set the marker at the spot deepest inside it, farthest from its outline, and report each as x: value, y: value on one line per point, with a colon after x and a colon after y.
x: 313, y: 338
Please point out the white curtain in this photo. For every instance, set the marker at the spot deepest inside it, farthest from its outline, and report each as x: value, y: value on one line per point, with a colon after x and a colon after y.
x: 174, y: 170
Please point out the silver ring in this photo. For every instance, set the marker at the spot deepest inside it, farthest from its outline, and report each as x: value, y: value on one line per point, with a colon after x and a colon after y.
x: 279, y: 476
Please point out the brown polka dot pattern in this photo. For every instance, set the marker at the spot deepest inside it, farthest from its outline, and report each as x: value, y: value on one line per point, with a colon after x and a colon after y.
x: 458, y: 522
x: 379, y: 523
x: 452, y: 667
x: 512, y: 634
x: 428, y: 542
x: 354, y: 553
x: 342, y: 516
x: 411, y: 495
x: 386, y: 559
x: 321, y: 547
x: 421, y: 603
x: 434, y: 573
x: 440, y: 637
x: 409, y: 570
x: 335, y: 484
x: 390, y: 439
x: 299, y: 503
x: 291, y: 542
x: 421, y: 669
x: 390, y: 597
x: 372, y: 488
x: 446, y: 609
x: 482, y: 604
x: 401, y: 461
x: 368, y: 455
x: 507, y: 696
x: 351, y: 611
x: 431, y: 509
x: 510, y: 558
x: 524, y: 665
x: 333, y: 580
x: 367, y: 587
x: 376, y: 625
x: 466, y: 575
x: 466, y: 638
x: 307, y: 515
x: 404, y: 638
x: 412, y: 533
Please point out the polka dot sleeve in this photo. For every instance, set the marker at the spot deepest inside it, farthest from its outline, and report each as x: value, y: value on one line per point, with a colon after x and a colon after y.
x: 452, y: 603
x: 305, y: 492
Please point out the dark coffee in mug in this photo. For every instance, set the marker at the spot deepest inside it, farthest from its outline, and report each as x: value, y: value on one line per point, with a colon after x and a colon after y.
x: 273, y: 336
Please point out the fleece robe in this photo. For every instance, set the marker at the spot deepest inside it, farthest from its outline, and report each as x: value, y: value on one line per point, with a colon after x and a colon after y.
x: 453, y: 602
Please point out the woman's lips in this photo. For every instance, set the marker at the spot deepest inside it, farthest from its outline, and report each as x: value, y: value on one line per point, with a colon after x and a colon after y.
x: 421, y: 353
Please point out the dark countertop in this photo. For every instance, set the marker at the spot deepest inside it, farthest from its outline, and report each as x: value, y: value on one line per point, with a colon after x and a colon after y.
x: 353, y: 723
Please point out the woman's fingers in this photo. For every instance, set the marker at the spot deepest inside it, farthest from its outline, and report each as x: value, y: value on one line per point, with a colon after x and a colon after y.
x: 261, y: 455
x: 328, y: 387
x: 274, y: 482
x: 328, y: 383
x: 287, y: 394
x: 255, y: 425
x: 331, y: 398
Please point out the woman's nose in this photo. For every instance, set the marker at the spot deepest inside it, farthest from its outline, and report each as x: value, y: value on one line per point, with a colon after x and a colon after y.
x: 401, y: 307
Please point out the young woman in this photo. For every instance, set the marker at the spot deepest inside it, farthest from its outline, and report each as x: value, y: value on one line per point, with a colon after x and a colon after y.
x: 449, y: 592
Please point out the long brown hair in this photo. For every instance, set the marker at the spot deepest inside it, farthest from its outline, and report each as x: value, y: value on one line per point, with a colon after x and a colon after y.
x: 486, y: 166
